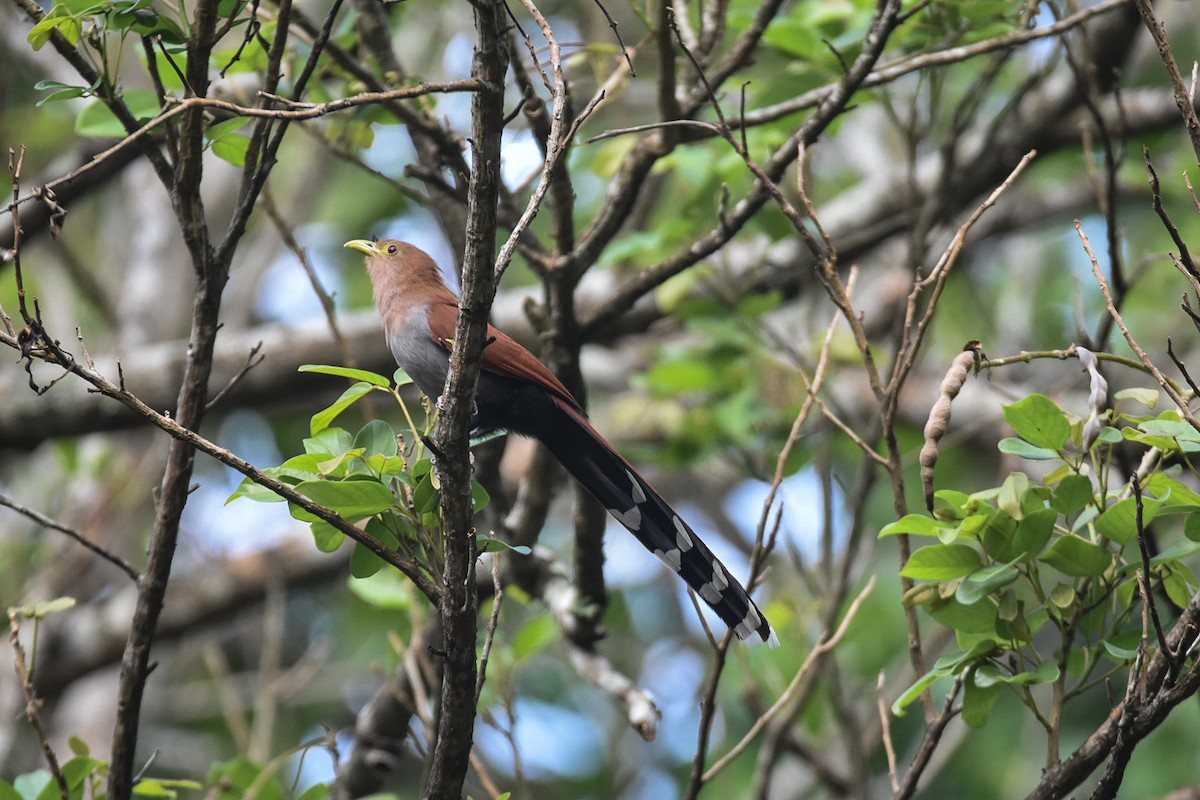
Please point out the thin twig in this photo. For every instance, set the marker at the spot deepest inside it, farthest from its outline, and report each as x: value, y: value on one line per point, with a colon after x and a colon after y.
x: 612, y: 23
x: 885, y: 727
x: 33, y: 703
x: 47, y: 522
x: 1144, y: 581
x: 493, y: 621
x: 1184, y: 259
x: 253, y: 359
x: 1167, y: 385
x: 301, y: 112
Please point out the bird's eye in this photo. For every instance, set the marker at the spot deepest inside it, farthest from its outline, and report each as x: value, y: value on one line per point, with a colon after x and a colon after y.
x: 392, y: 249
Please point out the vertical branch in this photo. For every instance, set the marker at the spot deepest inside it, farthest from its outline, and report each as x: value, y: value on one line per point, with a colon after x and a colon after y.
x: 457, y: 612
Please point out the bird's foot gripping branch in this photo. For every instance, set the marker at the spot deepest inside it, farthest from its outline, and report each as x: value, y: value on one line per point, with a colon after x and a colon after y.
x: 376, y: 474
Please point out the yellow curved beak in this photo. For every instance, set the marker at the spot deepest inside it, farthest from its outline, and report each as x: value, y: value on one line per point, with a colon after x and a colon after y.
x: 363, y: 246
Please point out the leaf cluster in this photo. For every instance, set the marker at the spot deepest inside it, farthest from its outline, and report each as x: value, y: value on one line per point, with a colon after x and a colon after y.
x: 1039, y: 577
x: 375, y: 475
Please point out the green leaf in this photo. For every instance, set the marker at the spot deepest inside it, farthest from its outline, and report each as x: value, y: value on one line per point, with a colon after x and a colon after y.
x: 1174, y: 428
x: 318, y: 791
x: 912, y: 693
x: 1062, y: 596
x: 232, y: 148
x: 146, y: 22
x: 941, y: 562
x: 425, y: 494
x: 1037, y: 420
x: 1071, y: 494
x: 1032, y: 534
x: 366, y: 376
x: 1119, y: 521
x: 76, y: 772
x: 479, y: 497
x: 253, y: 491
x: 238, y: 774
x: 684, y: 375
x: 982, y: 582
x: 214, y: 132
x: 1046, y: 672
x: 978, y: 700
x: 69, y: 26
x: 1076, y: 557
x: 329, y: 442
x: 149, y: 787
x: 322, y: 419
x: 386, y: 589
x: 339, y: 466
x: 1166, y: 488
x: 365, y: 563
x: 7, y: 792
x: 535, y: 635
x: 954, y: 663
x: 488, y: 544
x: 59, y: 91
x: 326, y: 537
x: 1123, y: 647
x: 377, y: 438
x: 997, y: 535
x: 1168, y: 444
x: 916, y: 524
x: 976, y: 618
x: 353, y: 500
x: 30, y: 785
x: 1147, y: 397
x: 1176, y: 550
x: 387, y: 466
x: 44, y: 608
x: 1023, y: 449
x: 1013, y: 493
x: 1179, y: 582
x: 957, y: 502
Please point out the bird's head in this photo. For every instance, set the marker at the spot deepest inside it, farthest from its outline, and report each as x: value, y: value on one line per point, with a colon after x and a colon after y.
x: 391, y: 261
x: 382, y: 249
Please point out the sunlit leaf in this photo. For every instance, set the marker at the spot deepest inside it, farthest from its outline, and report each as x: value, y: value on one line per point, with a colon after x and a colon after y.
x: 941, y: 562
x: 322, y: 419
x: 915, y: 524
x: 1037, y: 420
x: 366, y: 376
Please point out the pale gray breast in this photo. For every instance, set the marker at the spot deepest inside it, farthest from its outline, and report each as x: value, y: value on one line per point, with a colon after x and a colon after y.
x: 414, y: 349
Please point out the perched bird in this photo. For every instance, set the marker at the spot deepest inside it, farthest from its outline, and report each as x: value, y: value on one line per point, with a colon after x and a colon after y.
x: 519, y: 394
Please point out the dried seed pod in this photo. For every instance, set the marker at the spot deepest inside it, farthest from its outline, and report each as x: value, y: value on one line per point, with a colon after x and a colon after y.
x: 1097, y: 397
x: 939, y: 415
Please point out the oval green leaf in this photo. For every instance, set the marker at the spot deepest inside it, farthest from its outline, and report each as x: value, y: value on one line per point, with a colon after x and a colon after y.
x: 1037, y: 420
x: 1076, y: 557
x: 941, y: 562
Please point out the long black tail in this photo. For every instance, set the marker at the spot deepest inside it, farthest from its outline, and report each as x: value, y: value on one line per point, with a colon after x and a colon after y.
x: 636, y: 505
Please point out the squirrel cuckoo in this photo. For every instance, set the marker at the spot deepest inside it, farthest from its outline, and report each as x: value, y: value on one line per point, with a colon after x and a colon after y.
x: 519, y: 394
